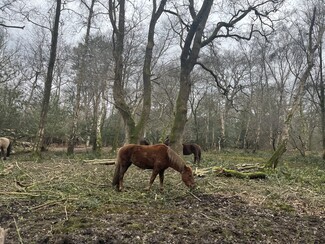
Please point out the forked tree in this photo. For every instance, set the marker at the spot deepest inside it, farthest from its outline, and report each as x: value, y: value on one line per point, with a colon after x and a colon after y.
x: 134, y: 129
x: 199, y: 36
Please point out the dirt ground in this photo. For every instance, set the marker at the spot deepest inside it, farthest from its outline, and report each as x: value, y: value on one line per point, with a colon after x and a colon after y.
x: 61, y: 200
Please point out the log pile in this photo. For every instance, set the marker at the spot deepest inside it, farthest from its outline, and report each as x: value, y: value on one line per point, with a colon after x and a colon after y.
x: 247, y: 171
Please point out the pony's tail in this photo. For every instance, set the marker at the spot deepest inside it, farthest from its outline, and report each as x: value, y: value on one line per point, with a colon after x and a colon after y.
x: 9, y: 149
x: 116, y: 176
x: 199, y: 153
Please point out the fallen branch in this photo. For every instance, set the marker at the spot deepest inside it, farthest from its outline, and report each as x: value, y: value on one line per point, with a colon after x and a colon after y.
x: 100, y: 161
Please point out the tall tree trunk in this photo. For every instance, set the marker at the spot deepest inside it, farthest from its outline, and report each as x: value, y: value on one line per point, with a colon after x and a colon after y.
x: 79, y: 81
x: 146, y: 73
x: 322, y: 97
x: 133, y: 131
x: 39, y: 144
x: 311, y: 49
x: 99, y: 124
x: 189, y: 56
x: 118, y: 48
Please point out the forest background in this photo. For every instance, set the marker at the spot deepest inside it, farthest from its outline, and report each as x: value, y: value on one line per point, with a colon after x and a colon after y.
x: 223, y: 74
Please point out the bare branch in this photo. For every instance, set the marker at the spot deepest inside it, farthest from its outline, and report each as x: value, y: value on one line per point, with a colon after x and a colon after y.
x: 12, y: 26
x: 225, y: 91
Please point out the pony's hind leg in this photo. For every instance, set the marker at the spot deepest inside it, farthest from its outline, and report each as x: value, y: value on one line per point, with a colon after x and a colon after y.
x: 161, y: 178
x: 123, y: 169
x: 3, y: 153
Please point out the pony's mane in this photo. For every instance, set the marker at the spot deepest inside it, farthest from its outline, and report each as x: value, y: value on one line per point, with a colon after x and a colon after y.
x: 175, y: 159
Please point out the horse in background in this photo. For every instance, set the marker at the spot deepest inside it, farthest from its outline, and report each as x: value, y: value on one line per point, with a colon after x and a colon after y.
x: 157, y: 157
x: 188, y: 149
x: 144, y: 141
x: 5, y: 146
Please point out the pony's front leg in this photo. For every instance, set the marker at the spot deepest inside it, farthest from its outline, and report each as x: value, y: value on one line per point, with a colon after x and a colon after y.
x: 152, y: 179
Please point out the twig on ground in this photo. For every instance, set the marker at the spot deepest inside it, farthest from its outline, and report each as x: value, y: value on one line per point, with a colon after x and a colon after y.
x: 195, y: 196
x: 101, y: 161
x: 66, y: 211
x: 18, y: 193
x: 213, y: 219
x: 18, y: 232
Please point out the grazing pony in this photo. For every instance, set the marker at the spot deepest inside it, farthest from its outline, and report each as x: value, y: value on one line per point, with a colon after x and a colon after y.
x: 5, y: 146
x: 188, y: 149
x: 157, y: 157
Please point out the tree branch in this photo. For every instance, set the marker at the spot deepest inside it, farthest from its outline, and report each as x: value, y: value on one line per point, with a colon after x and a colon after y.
x: 12, y: 26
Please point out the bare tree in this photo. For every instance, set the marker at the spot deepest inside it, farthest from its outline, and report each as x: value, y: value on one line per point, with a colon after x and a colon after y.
x: 80, y: 80
x: 39, y: 144
x: 313, y: 43
x: 133, y: 131
x: 6, y: 15
x: 195, y: 40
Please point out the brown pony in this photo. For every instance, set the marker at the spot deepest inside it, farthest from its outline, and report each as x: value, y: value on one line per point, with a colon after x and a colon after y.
x: 5, y: 146
x: 188, y: 149
x: 157, y: 157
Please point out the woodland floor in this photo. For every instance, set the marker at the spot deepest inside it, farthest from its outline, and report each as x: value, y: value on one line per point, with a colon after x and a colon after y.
x: 60, y: 200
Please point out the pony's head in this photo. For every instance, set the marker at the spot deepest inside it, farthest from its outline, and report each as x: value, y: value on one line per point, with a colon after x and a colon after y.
x: 187, y: 177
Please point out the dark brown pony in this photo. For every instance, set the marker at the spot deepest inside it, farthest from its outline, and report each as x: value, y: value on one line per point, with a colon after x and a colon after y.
x: 157, y: 157
x: 144, y: 141
x: 188, y: 149
x: 5, y: 146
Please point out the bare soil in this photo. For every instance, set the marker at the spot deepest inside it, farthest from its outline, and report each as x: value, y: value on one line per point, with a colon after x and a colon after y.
x: 62, y: 200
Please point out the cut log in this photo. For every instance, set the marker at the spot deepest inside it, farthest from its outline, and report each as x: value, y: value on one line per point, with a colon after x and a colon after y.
x: 242, y: 175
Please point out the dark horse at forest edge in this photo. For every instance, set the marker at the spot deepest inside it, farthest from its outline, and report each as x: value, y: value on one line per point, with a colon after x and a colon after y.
x: 188, y: 149
x: 157, y: 157
x: 5, y: 146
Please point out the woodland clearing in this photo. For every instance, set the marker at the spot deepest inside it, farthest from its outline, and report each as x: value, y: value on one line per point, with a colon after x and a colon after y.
x: 57, y: 199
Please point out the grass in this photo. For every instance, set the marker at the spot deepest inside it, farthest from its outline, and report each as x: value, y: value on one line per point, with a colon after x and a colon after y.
x: 58, y: 177
x: 62, y: 187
